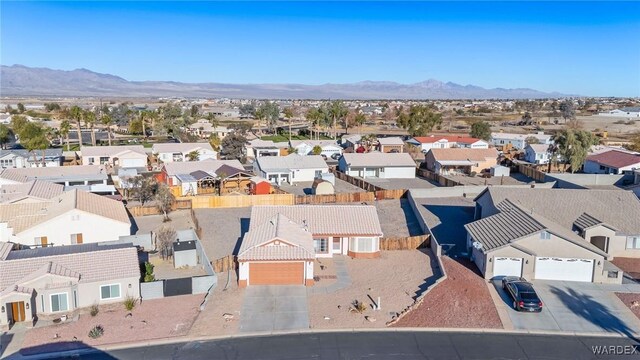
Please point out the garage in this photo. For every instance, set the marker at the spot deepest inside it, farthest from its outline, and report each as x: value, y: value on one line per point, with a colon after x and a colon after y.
x: 507, y: 266
x: 276, y: 273
x: 565, y: 269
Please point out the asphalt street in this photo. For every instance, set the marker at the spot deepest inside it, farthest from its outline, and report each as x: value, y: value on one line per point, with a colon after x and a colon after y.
x: 386, y: 345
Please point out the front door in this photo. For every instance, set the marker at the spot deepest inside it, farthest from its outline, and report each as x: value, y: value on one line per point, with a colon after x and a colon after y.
x: 337, y: 245
x: 17, y: 310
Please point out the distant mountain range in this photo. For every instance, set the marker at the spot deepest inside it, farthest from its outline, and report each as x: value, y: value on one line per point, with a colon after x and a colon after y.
x: 19, y: 80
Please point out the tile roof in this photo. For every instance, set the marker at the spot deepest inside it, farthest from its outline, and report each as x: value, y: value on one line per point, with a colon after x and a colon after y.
x: 48, y: 153
x: 457, y: 139
x: 615, y: 158
x: 377, y: 159
x: 209, y: 166
x: 297, y: 243
x: 22, y: 216
x: 512, y: 136
x: 617, y: 208
x: 539, y: 148
x: 111, y: 150
x: 53, y: 173
x: 348, y: 220
x: 99, y: 265
x: 291, y: 161
x: 464, y: 154
x: 180, y: 147
x: 586, y: 221
x: 312, y: 143
x: 37, y: 189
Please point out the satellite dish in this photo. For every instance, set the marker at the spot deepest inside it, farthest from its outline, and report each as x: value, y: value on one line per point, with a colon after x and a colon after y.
x: 477, y: 245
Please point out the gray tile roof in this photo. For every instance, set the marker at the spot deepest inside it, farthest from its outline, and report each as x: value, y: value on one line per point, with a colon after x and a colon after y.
x: 296, y: 243
x: 291, y: 161
x: 617, y: 208
x: 108, y: 151
x: 83, y: 172
x: 586, y: 221
x: 348, y: 220
x: 210, y: 166
x: 36, y: 189
x: 180, y: 147
x: 377, y: 159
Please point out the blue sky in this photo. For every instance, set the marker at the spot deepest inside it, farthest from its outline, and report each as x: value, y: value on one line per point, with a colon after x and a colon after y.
x: 588, y: 48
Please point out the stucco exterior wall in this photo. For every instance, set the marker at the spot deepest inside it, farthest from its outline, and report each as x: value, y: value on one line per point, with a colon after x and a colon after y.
x: 408, y: 172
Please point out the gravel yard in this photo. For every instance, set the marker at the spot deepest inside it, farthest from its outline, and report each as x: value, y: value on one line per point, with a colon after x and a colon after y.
x: 180, y: 220
x: 460, y: 301
x: 149, y: 320
x: 222, y: 230
x: 514, y: 179
x: 392, y: 184
x: 221, y: 301
x: 304, y: 188
x: 397, y: 218
x: 629, y: 299
x: 397, y: 277
x: 163, y: 269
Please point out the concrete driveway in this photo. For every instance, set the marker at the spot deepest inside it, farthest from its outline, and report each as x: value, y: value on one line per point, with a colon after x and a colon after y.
x: 574, y: 307
x: 274, y: 307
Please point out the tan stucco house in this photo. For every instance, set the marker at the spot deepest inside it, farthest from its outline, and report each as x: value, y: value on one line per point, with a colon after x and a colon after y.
x: 452, y: 161
x: 56, y: 281
x: 283, y: 241
x: 554, y: 234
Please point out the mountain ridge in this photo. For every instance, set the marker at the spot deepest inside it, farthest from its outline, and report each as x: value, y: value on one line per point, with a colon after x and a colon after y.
x: 21, y: 80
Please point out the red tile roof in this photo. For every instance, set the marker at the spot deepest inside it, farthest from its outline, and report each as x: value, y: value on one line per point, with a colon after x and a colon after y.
x: 456, y: 139
x: 615, y: 159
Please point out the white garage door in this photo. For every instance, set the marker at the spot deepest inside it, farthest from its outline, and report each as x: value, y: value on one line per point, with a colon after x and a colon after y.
x: 507, y: 266
x: 548, y: 268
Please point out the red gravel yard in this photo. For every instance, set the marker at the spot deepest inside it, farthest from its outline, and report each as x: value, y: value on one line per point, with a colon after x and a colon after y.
x: 632, y: 301
x: 460, y: 301
x: 151, y: 319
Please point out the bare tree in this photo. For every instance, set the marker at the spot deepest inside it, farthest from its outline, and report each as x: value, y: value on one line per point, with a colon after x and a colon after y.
x: 164, y: 200
x: 143, y: 188
x: 165, y: 237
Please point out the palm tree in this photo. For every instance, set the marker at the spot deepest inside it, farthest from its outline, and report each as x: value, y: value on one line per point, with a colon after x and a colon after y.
x: 288, y: 113
x: 193, y: 156
x: 212, y: 119
x: 65, y: 128
x: 337, y: 111
x: 76, y: 114
x: 89, y: 121
x: 107, y: 121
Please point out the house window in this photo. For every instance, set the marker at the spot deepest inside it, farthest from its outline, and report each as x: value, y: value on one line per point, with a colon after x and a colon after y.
x: 91, y: 160
x: 42, y: 302
x: 318, y: 174
x: 363, y: 244
x: 321, y: 245
x: 109, y: 291
x: 76, y: 239
x: 41, y: 241
x: 75, y: 299
x: 59, y: 302
x: 602, y: 167
x: 545, y: 235
x: 104, y: 159
x: 633, y: 242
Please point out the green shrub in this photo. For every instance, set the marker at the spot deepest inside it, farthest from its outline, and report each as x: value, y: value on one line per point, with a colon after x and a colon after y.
x: 96, y: 332
x: 94, y: 310
x: 148, y: 272
x: 129, y: 303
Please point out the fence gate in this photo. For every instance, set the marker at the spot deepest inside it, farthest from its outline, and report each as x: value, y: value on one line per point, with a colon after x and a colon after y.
x: 173, y: 287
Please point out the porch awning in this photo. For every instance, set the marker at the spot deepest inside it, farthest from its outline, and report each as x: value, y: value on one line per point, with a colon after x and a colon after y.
x: 457, y: 163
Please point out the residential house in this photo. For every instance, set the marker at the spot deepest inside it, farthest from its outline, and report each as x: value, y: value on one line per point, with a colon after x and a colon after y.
x: 32, y: 191
x: 427, y: 143
x: 380, y: 165
x: 351, y: 141
x: 26, y: 159
x: 133, y: 156
x: 518, y: 141
x: 257, y: 148
x: 283, y: 241
x: 292, y: 168
x: 204, y: 129
x: 459, y: 161
x: 554, y: 234
x: 92, y: 178
x: 391, y: 144
x: 305, y: 147
x: 627, y: 112
x: 537, y: 153
x: 198, y: 177
x: 74, y: 217
x: 48, y: 283
x: 612, y: 162
x: 170, y: 152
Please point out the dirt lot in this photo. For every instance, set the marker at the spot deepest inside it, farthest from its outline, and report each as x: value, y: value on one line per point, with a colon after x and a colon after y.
x: 397, y: 277
x: 397, y: 218
x: 393, y: 184
x: 163, y: 269
x: 180, y: 220
x: 143, y: 324
x: 631, y: 299
x: 514, y: 179
x: 221, y: 301
x: 304, y: 188
x: 222, y: 229
x: 460, y: 301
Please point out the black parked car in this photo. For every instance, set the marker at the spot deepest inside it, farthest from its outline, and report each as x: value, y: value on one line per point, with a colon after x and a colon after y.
x: 523, y: 295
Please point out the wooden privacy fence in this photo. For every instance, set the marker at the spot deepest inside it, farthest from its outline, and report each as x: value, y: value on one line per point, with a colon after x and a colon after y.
x: 335, y: 198
x: 181, y: 204
x: 531, y: 172
x: 405, y: 243
x: 225, y: 264
x: 143, y: 210
x: 380, y: 193
x: 233, y: 201
x: 430, y: 175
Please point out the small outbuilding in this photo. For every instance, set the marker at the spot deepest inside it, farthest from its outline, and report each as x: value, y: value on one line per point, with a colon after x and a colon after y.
x: 185, y: 253
x: 322, y: 187
x: 499, y: 170
x: 259, y: 186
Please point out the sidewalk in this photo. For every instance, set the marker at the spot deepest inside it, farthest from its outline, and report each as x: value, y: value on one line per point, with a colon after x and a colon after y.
x: 343, y: 279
